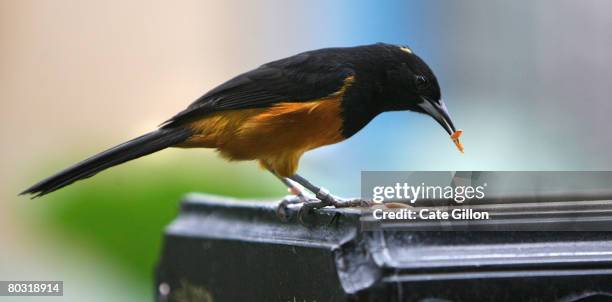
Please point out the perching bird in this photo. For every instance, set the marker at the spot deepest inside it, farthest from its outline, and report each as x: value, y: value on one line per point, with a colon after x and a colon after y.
x: 275, y: 113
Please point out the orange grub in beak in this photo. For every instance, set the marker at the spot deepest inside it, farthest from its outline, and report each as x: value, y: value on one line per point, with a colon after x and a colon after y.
x: 455, y: 137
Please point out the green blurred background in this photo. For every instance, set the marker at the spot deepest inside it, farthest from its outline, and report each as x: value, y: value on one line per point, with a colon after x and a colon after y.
x: 528, y: 81
x: 117, y: 221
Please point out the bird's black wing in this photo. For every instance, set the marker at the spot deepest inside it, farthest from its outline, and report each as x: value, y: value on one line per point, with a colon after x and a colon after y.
x: 300, y: 78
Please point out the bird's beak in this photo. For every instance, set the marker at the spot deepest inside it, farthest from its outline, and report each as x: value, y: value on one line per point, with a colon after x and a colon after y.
x: 439, y: 113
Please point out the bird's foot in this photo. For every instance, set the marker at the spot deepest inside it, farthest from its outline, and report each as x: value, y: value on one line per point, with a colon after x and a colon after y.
x: 325, y: 199
x: 282, y: 210
x: 322, y: 199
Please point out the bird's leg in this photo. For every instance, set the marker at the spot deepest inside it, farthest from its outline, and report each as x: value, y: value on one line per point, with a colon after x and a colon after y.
x: 291, y: 187
x: 296, y: 197
x: 324, y: 198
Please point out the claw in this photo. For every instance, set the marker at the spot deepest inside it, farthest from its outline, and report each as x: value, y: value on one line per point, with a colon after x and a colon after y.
x: 307, y: 207
x: 322, y: 198
x: 282, y: 210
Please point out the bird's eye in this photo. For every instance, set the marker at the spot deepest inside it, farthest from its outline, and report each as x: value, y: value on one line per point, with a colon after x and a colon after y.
x: 421, y: 82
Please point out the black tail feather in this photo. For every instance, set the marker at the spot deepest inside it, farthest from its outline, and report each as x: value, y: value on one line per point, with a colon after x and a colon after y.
x: 135, y: 148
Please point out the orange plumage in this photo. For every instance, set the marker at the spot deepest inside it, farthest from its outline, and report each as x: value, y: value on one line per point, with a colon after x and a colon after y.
x: 276, y: 136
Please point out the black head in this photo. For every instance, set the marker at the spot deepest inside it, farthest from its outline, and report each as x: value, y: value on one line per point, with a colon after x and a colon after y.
x: 409, y: 84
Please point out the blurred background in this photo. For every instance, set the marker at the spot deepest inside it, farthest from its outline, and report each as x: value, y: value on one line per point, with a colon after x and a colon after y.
x: 528, y: 81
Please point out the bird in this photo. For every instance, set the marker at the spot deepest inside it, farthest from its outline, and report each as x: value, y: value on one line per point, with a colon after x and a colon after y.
x: 275, y: 113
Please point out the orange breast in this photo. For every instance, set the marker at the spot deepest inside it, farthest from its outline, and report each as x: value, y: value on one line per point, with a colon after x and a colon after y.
x: 276, y: 136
